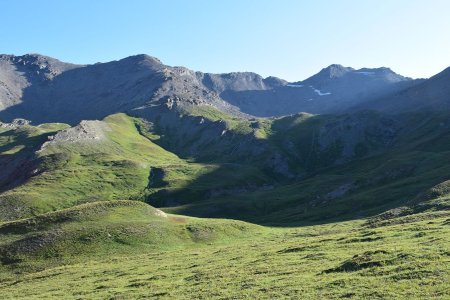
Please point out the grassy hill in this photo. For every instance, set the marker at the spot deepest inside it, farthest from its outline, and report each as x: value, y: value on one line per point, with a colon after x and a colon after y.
x: 353, y: 206
x: 105, y: 228
x: 300, y: 169
x: 406, y: 258
x: 107, y: 160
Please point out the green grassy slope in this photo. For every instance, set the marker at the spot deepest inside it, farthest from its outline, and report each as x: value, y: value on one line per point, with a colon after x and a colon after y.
x: 372, y: 224
x: 355, y: 190
x: 244, y: 184
x: 17, y: 146
x: 124, y: 165
x: 404, y: 259
x: 100, y: 229
x: 392, y: 176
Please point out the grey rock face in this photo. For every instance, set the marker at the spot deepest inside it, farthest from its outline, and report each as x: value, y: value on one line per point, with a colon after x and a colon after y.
x: 358, y: 134
x: 429, y: 95
x: 43, y: 89
x: 46, y: 90
x: 334, y: 89
x: 20, y: 72
x: 16, y: 123
x: 85, y: 131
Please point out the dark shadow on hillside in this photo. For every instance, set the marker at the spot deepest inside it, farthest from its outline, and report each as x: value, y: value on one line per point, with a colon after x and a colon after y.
x: 320, y: 191
x: 86, y: 93
x: 20, y: 166
x: 300, y: 202
x: 337, y: 97
x: 280, y: 101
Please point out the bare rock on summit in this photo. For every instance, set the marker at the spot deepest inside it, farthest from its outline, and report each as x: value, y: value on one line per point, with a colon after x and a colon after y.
x: 17, y: 73
x: 43, y: 89
x: 86, y: 132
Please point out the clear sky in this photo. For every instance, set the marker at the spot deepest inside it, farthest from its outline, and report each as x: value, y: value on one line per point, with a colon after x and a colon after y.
x: 289, y: 39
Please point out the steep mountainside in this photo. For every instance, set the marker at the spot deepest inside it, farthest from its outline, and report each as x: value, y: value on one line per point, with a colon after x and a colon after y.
x: 430, y: 95
x: 316, y: 167
x: 334, y: 89
x: 18, y: 73
x: 43, y: 89
x: 73, y: 93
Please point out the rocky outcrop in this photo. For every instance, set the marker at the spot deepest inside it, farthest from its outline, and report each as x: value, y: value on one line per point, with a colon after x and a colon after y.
x: 16, y: 123
x: 86, y: 132
x: 358, y: 135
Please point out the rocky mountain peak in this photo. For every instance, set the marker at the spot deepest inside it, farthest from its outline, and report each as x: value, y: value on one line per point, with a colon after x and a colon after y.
x: 37, y: 64
x: 143, y: 58
x: 335, y: 71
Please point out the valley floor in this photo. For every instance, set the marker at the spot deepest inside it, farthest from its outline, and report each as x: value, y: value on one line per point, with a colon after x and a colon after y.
x: 406, y: 258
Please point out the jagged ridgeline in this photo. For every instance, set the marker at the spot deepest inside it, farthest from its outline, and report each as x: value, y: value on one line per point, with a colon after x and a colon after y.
x: 121, y: 158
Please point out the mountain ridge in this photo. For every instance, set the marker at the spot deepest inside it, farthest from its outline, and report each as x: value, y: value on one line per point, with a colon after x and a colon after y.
x: 34, y: 85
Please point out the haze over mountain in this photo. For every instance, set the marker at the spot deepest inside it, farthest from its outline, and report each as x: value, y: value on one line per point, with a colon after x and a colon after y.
x: 430, y: 95
x: 334, y: 89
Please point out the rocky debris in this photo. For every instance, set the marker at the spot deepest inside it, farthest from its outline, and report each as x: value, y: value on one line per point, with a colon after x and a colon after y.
x: 439, y: 190
x: 19, y: 73
x: 358, y: 135
x: 16, y: 123
x: 238, y: 81
x: 52, y: 91
x: 279, y: 164
x: 331, y: 72
x: 392, y: 174
x: 20, y: 122
x: 85, y: 132
x: 336, y: 193
x: 38, y: 64
x: 340, y: 191
x: 430, y: 95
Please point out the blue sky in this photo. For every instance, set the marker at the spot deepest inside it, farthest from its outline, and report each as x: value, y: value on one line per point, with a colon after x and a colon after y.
x: 288, y: 39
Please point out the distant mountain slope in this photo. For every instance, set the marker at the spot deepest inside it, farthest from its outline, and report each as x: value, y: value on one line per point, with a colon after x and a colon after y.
x: 430, y: 95
x: 44, y: 89
x: 18, y: 73
x: 333, y: 90
x: 73, y: 93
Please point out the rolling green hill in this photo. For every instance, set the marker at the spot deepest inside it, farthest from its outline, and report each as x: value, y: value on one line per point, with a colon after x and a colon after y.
x: 351, y: 206
x: 129, y: 252
x: 101, y: 160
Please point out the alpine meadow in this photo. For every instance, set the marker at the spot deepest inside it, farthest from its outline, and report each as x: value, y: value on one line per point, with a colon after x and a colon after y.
x: 136, y: 179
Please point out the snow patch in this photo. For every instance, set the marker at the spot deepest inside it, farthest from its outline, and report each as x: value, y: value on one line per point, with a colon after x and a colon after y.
x: 366, y: 73
x: 294, y: 85
x: 319, y: 92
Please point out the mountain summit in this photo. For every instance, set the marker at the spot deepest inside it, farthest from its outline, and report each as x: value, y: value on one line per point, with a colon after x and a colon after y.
x: 334, y: 71
x: 44, y: 89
